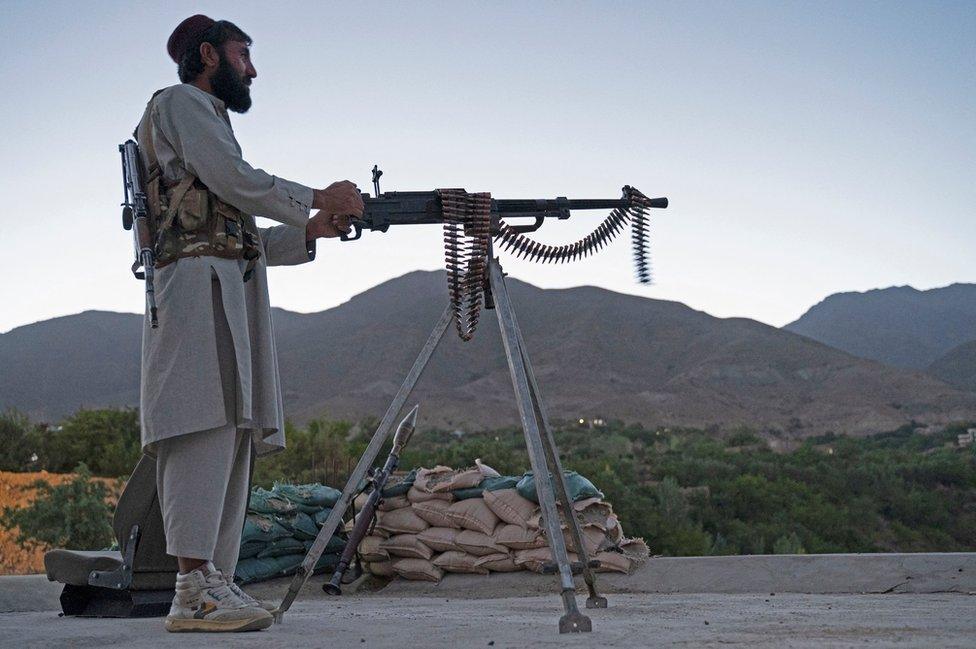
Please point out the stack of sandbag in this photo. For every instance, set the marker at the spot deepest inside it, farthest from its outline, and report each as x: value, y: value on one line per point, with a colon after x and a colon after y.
x: 279, y: 529
x: 476, y: 521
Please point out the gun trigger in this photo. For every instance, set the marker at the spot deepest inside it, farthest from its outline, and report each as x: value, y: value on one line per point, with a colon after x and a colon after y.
x: 357, y: 227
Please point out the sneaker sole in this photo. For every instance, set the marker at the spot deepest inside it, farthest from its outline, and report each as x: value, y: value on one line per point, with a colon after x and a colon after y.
x: 185, y: 625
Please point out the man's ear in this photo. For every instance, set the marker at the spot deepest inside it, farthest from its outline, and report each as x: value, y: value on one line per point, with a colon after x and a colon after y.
x: 209, y: 55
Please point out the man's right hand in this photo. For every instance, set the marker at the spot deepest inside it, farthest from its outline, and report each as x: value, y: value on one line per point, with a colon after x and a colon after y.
x: 341, y: 198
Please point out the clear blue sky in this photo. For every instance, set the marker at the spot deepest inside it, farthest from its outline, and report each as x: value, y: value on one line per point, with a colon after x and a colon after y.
x: 807, y: 148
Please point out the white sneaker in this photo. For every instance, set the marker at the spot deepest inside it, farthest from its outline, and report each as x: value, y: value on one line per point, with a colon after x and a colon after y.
x: 204, y: 602
x: 250, y: 601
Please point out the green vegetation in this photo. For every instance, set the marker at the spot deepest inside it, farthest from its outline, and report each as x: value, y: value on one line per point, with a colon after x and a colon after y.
x: 686, y: 492
x: 73, y: 515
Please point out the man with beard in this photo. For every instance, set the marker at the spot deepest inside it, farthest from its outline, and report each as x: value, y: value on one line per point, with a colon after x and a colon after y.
x: 210, y: 392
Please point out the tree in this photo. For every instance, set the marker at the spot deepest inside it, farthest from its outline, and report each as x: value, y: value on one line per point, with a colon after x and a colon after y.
x: 18, y: 441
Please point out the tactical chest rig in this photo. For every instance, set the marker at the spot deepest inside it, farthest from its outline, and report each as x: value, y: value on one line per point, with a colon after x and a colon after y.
x: 187, y: 219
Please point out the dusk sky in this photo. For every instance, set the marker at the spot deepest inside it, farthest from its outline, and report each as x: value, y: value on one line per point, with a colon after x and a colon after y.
x: 807, y: 148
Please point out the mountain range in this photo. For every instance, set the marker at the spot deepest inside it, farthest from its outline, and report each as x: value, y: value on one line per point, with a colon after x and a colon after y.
x: 596, y: 353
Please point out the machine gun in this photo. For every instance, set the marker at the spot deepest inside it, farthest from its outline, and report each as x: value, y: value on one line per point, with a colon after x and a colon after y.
x: 472, y: 221
x: 135, y: 217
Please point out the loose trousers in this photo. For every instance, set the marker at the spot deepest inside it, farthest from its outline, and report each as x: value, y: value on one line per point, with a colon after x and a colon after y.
x: 203, y: 477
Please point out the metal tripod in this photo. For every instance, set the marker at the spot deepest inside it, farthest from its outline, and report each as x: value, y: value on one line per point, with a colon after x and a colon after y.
x: 543, y: 456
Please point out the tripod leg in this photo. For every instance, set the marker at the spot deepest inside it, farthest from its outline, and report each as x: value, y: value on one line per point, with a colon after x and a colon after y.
x: 573, y: 621
x: 365, y: 462
x: 559, y: 480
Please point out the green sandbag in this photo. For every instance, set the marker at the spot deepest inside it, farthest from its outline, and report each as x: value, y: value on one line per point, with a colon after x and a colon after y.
x: 579, y: 487
x: 308, y: 497
x: 282, y: 547
x: 262, y: 528
x: 320, y: 516
x: 267, y: 502
x: 251, y: 549
x: 300, y: 524
x: 399, y: 485
x: 488, y: 484
x: 335, y: 544
x: 250, y: 571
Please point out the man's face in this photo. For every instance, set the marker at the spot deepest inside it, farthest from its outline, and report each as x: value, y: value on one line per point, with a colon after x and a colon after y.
x: 231, y: 80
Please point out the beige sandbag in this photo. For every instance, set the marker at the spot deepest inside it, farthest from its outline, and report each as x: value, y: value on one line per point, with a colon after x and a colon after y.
x: 394, y: 502
x: 434, y: 512
x: 406, y: 545
x: 371, y: 551
x: 614, y: 530
x: 416, y: 495
x: 360, y: 501
x: 509, y: 506
x: 439, y: 539
x: 417, y: 570
x: 498, y: 563
x: 613, y: 562
x: 381, y: 568
x: 478, y: 543
x: 635, y: 549
x: 461, y: 479
x: 473, y: 514
x: 519, y: 538
x: 534, y: 559
x: 485, y: 470
x: 594, y: 539
x: 594, y: 511
x: 427, y: 478
x: 401, y: 521
x: 351, y: 523
x: 455, y: 561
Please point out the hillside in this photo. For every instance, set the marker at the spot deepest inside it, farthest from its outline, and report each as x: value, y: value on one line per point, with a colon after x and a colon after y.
x: 597, y: 353
x: 900, y: 326
x: 957, y: 366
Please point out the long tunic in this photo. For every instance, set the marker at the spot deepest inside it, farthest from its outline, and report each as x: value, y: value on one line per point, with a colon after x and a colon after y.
x: 180, y: 387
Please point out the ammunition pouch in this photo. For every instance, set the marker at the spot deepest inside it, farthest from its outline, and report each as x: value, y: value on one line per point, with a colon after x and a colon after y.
x: 189, y: 220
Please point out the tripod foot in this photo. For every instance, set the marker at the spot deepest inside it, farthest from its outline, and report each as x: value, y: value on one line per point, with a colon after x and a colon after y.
x: 575, y: 622
x: 595, y: 601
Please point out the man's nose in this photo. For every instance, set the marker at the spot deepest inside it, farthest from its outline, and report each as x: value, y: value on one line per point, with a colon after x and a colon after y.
x: 250, y: 71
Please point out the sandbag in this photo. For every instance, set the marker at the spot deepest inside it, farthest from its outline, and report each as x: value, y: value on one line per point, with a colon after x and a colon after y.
x: 300, y: 524
x: 594, y: 539
x: 472, y: 514
x: 372, y: 551
x: 416, y: 495
x: 418, y: 570
x: 519, y: 538
x: 309, y: 498
x: 487, y: 484
x: 635, y: 549
x: 427, y: 478
x: 406, y: 545
x: 434, y: 512
x: 263, y: 529
x: 455, y: 561
x: 393, y: 502
x: 250, y: 549
x: 335, y: 544
x: 263, y: 501
x: 348, y: 526
x: 381, y: 568
x: 440, y: 539
x: 478, y: 543
x: 281, y: 547
x: 579, y: 487
x: 399, y: 484
x: 502, y: 562
x: 401, y: 521
x: 250, y: 571
x: 510, y: 506
x: 534, y: 559
x: 613, y: 562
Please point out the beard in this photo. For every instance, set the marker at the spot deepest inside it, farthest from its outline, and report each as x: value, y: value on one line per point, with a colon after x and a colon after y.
x: 231, y: 88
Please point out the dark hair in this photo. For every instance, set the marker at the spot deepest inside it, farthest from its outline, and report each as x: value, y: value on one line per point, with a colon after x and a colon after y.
x: 222, y: 31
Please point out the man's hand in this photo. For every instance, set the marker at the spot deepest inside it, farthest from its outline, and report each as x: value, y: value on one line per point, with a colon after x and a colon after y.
x: 337, y: 203
x: 340, y: 197
x: 324, y: 225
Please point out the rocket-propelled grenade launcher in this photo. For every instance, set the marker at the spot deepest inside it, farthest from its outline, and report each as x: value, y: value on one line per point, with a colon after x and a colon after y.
x: 135, y: 217
x: 472, y: 220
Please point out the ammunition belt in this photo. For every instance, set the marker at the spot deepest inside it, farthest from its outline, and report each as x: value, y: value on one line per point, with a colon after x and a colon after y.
x: 524, y: 247
x: 467, y: 236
